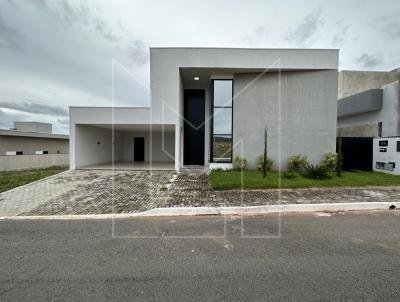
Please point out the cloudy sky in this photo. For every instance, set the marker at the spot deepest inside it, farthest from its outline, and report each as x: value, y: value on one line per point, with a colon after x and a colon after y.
x: 55, y: 53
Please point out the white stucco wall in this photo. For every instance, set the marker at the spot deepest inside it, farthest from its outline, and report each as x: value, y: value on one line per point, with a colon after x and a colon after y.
x: 88, y: 150
x: 391, y: 154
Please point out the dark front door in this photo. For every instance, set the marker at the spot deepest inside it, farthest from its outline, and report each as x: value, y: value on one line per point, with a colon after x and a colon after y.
x: 193, y: 129
x: 138, y: 149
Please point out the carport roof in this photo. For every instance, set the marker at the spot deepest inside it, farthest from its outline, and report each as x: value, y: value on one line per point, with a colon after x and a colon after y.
x: 134, y: 127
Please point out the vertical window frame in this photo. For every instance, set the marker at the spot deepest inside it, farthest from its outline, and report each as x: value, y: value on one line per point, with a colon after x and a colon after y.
x: 212, y: 134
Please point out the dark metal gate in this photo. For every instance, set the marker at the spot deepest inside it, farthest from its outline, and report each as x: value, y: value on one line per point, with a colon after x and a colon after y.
x: 357, y: 153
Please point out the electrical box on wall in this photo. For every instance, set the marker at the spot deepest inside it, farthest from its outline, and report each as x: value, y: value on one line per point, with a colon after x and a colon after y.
x: 386, y: 155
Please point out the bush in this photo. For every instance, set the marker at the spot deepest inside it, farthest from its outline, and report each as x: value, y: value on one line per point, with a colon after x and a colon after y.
x: 240, y: 163
x: 289, y: 175
x: 297, y: 162
x: 330, y: 161
x: 315, y: 172
x: 260, y: 163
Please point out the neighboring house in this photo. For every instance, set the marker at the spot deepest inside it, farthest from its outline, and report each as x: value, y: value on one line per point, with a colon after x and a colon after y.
x: 32, y: 145
x: 369, y: 106
x: 209, y: 105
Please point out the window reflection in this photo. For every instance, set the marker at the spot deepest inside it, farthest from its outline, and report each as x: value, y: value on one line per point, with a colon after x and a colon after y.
x: 222, y: 121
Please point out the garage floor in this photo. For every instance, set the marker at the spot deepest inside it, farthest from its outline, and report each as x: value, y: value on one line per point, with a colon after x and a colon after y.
x: 132, y: 166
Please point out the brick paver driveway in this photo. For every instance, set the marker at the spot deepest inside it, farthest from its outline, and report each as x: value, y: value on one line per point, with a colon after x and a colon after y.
x: 88, y: 192
x: 191, y: 188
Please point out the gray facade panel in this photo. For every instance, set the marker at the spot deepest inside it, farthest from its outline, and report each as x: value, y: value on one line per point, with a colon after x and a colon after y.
x: 299, y: 109
x: 367, y: 101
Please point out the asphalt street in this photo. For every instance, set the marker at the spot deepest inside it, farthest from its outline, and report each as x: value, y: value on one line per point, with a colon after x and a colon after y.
x: 343, y: 257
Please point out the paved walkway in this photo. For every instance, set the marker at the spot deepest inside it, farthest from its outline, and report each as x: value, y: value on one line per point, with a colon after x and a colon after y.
x: 106, y: 192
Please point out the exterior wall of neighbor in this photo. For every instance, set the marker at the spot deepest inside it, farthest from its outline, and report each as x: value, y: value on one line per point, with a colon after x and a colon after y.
x: 24, y: 162
x: 391, y: 155
x: 366, y: 124
x: 352, y: 81
x: 33, y: 127
x: 29, y: 145
x: 299, y: 111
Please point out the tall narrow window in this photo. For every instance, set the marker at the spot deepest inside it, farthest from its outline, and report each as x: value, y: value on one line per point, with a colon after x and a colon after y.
x: 221, y: 130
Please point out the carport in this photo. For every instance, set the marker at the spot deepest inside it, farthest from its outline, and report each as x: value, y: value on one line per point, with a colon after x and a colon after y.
x: 125, y: 146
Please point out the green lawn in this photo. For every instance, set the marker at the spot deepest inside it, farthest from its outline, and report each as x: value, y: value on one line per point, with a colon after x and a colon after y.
x: 225, y: 180
x: 12, y: 179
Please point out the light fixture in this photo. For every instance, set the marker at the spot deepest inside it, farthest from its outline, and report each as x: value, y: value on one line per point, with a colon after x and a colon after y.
x: 196, y: 78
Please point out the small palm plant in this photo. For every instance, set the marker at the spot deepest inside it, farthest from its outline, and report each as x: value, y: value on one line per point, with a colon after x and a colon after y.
x: 315, y: 172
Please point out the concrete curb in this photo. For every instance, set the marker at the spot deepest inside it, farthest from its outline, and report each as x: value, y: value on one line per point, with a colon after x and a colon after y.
x: 253, y: 210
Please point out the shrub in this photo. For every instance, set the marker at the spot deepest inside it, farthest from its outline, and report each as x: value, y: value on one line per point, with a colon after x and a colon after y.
x: 315, y: 172
x: 330, y: 161
x: 289, y: 175
x: 260, y: 163
x: 240, y: 163
x: 297, y: 162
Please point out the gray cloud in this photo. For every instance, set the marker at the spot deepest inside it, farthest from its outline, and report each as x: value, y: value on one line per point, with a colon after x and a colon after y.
x: 391, y: 29
x: 338, y: 39
x: 7, y: 119
x: 302, y: 35
x: 35, y: 108
x: 63, y: 121
x: 369, y: 61
x: 138, y: 52
x: 82, y: 14
x: 9, y: 36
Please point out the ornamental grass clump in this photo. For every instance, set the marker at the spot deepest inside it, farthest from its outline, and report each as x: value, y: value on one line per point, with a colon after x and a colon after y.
x: 296, y: 163
x: 260, y: 163
x: 240, y: 163
x: 330, y: 161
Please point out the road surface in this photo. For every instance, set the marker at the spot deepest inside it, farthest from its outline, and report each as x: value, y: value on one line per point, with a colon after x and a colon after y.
x: 304, y: 257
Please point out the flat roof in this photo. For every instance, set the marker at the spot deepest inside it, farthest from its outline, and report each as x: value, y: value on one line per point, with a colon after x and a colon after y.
x: 4, y: 132
x: 255, y: 48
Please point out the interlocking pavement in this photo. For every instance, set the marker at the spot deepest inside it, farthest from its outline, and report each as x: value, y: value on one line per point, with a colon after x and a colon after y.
x: 88, y: 192
x: 106, y: 192
x: 191, y: 188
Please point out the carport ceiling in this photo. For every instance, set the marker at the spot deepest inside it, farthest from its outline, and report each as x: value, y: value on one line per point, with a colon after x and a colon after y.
x: 135, y: 127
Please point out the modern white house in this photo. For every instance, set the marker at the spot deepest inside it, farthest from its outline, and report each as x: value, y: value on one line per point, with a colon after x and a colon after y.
x: 209, y: 105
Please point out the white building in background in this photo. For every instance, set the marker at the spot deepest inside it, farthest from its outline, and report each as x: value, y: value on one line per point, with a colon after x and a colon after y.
x: 209, y: 105
x: 31, y: 145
